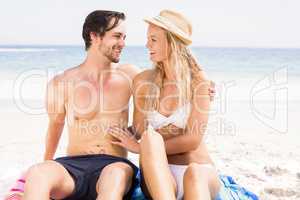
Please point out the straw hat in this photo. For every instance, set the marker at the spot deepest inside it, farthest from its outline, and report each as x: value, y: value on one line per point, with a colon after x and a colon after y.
x: 175, y: 23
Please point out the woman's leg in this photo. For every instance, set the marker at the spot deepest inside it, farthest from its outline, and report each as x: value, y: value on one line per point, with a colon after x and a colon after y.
x: 154, y: 164
x: 200, y: 182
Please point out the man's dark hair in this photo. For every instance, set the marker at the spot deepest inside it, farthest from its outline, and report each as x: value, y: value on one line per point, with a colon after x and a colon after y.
x: 99, y: 22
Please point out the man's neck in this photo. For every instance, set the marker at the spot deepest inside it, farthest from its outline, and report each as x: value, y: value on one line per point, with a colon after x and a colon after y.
x: 94, y: 65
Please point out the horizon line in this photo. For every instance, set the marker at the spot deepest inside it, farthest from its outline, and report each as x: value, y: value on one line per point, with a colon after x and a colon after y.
x: 140, y: 45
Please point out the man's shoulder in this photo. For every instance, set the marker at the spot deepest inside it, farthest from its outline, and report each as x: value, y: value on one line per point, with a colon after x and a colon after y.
x: 129, y: 69
x: 64, y: 76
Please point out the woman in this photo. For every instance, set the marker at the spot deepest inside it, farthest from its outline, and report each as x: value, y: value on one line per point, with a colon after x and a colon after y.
x: 171, y: 111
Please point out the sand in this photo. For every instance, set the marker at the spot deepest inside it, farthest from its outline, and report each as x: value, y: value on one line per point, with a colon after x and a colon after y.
x: 258, y: 157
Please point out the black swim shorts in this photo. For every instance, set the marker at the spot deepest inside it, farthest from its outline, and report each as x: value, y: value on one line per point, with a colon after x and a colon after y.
x: 86, y: 169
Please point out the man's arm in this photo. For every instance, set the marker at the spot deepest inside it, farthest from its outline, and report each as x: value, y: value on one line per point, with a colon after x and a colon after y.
x: 196, y: 125
x: 55, y: 101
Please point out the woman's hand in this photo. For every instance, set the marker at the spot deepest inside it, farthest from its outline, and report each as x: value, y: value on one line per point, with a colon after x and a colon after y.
x: 124, y: 139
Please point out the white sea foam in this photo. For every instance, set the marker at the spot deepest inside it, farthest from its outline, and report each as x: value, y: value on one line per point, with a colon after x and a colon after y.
x: 26, y: 49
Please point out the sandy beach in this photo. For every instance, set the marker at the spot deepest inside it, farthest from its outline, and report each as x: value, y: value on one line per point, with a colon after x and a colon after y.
x: 263, y: 161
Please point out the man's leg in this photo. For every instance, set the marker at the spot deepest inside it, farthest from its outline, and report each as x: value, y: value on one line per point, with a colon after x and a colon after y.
x: 48, y: 179
x: 114, y: 181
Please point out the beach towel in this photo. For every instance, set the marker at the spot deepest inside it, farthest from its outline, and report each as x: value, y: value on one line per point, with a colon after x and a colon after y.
x: 230, y: 190
x: 17, y: 190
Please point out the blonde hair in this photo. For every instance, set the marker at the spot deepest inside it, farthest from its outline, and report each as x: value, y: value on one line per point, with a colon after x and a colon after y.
x: 187, y: 71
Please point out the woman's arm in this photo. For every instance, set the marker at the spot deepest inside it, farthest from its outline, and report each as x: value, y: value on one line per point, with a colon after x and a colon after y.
x: 196, y: 124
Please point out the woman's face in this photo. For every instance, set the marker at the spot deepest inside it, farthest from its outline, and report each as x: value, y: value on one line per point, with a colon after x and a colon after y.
x: 157, y: 43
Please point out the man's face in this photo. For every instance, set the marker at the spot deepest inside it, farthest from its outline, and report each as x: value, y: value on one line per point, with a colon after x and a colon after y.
x: 113, y: 42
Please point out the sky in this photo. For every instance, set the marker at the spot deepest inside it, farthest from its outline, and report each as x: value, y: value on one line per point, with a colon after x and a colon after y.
x: 216, y: 23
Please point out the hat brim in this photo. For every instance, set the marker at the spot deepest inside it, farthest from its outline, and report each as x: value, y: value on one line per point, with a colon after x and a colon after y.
x: 155, y: 22
x: 183, y: 38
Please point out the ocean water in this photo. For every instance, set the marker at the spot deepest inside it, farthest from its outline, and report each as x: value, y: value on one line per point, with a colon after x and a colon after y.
x: 242, y: 67
x: 239, y: 73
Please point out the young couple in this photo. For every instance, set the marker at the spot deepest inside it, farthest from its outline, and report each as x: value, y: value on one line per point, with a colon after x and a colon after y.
x: 171, y: 105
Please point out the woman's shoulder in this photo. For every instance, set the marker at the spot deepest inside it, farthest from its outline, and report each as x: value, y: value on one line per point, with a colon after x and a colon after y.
x: 144, y: 76
x: 143, y: 80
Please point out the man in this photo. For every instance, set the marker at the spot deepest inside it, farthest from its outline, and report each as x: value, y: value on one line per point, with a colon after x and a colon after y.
x: 90, y: 98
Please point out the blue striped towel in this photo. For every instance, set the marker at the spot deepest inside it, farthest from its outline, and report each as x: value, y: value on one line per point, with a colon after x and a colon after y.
x: 230, y: 190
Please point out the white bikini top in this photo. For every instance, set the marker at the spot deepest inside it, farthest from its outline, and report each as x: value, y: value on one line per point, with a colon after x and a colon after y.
x: 178, y: 118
